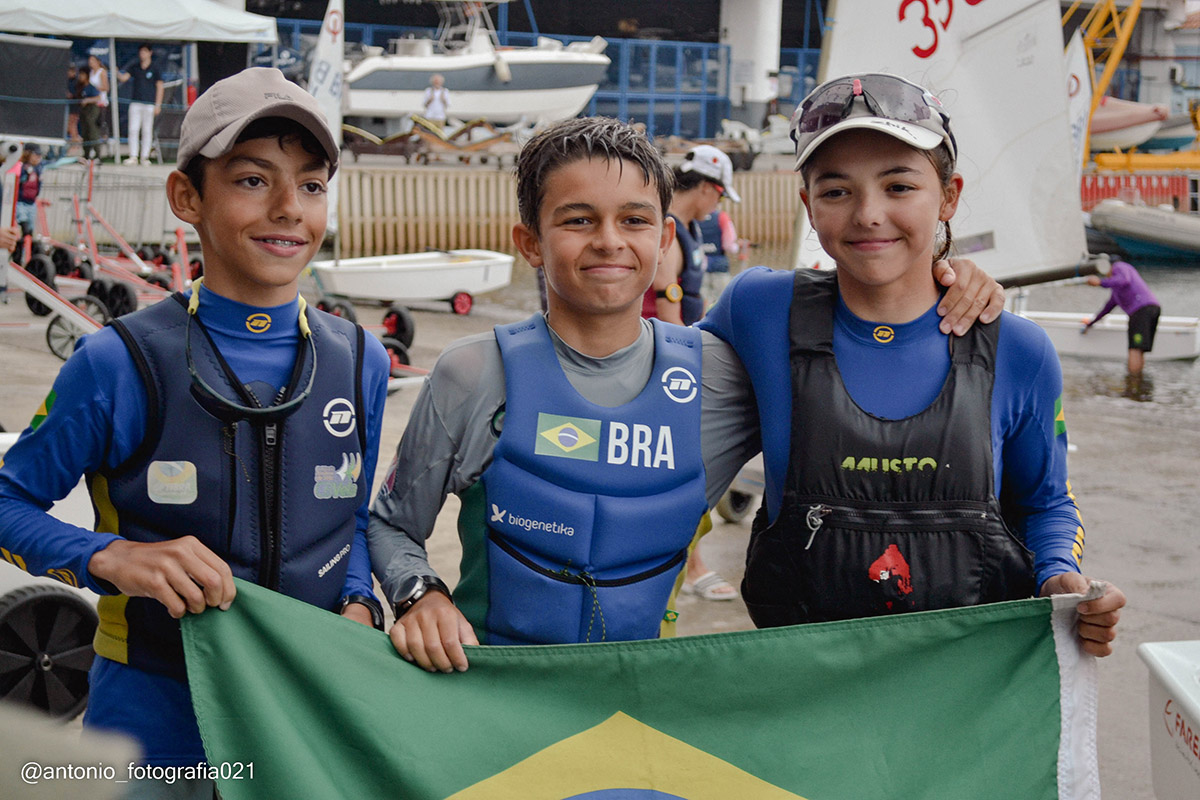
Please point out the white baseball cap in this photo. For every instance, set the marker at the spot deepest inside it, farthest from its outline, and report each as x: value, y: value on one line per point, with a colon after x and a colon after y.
x: 874, y: 101
x: 712, y: 163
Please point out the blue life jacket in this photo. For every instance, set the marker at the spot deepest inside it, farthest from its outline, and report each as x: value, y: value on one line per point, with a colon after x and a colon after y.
x: 882, y: 516
x: 276, y: 500
x: 588, y: 510
x: 692, y: 276
x: 710, y: 236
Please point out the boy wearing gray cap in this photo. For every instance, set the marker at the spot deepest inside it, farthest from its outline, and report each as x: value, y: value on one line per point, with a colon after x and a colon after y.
x: 226, y: 431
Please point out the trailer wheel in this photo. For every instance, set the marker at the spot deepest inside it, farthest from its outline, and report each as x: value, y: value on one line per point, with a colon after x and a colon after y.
x: 99, y: 288
x: 122, y: 299
x: 734, y: 506
x: 63, y: 263
x: 339, y: 308
x: 462, y: 302
x: 159, y: 279
x: 61, y: 337
x: 399, y: 324
x: 46, y: 649
x: 42, y: 268
x: 398, y: 353
x: 83, y: 270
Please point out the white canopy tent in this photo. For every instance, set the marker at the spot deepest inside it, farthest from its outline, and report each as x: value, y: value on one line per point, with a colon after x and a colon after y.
x: 180, y: 20
x: 140, y: 20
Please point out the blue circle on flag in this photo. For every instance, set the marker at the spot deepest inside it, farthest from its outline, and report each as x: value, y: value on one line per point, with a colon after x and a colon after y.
x: 568, y: 437
x: 625, y: 794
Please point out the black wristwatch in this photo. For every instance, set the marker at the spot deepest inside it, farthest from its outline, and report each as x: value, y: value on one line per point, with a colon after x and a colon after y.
x: 416, y: 587
x: 371, y: 603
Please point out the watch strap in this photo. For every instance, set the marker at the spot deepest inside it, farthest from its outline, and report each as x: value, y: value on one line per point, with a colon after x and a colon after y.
x: 372, y: 604
x: 426, y: 584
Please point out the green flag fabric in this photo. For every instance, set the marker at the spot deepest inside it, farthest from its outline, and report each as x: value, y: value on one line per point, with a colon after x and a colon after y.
x: 993, y: 701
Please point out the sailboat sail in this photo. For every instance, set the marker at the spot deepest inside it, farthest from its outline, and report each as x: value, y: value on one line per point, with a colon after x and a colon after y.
x: 325, y: 84
x: 998, y: 68
x: 1079, y: 98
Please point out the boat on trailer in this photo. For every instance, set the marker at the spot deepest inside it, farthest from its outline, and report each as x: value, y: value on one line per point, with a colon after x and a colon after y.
x: 455, y: 276
x: 503, y: 85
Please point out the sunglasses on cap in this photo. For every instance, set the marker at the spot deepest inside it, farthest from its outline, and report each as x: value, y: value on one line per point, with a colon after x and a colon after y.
x: 887, y: 97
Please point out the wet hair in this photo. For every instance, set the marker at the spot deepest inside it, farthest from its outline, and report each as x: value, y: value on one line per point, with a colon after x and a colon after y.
x: 943, y: 165
x: 280, y: 128
x: 580, y: 139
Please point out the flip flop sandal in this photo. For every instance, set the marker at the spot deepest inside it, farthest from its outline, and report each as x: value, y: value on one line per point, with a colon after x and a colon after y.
x: 710, y: 586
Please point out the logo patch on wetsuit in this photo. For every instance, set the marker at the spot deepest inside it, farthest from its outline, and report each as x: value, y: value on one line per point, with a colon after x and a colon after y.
x: 338, y: 417
x: 258, y: 323
x: 568, y: 437
x: 332, y: 484
x: 883, y: 334
x: 172, y: 482
x: 680, y: 385
x: 1060, y: 419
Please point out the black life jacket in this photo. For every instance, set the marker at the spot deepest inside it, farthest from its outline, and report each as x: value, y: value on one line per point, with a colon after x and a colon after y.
x: 882, y: 516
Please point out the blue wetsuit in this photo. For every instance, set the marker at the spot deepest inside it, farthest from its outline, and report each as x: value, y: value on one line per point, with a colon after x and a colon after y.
x: 95, y: 419
x: 899, y: 377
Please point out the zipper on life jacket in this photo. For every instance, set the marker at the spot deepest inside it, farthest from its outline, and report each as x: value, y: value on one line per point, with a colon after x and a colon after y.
x: 969, y: 514
x: 582, y: 578
x: 269, y: 514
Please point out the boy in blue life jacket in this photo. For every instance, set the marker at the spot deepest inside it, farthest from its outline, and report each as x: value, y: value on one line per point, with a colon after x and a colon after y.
x: 585, y: 444
x: 227, y: 431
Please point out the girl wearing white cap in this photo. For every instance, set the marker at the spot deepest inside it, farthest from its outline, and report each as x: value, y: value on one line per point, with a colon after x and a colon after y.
x: 907, y: 469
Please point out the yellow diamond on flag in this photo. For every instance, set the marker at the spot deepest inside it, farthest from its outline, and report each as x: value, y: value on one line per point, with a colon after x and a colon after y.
x: 622, y: 753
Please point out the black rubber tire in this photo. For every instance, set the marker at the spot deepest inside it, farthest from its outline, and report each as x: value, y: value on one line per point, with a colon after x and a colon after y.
x: 42, y: 268
x: 83, y: 271
x: 339, y: 308
x: 398, y: 323
x: 99, y: 289
x: 63, y: 263
x: 160, y: 279
x: 46, y: 650
x: 398, y: 353
x: 734, y: 506
x: 122, y: 299
x: 61, y: 337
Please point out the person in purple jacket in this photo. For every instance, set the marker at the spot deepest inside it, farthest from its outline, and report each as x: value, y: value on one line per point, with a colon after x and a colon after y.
x: 1134, y: 297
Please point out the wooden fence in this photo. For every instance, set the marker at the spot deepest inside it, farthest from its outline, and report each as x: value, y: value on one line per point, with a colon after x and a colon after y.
x: 385, y: 210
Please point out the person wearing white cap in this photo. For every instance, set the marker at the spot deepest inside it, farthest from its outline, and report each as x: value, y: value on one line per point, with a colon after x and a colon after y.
x: 883, y: 434
x: 704, y: 177
x: 701, y: 180
x: 227, y: 431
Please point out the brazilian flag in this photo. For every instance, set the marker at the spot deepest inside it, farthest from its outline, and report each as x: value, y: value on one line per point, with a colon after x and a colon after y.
x: 993, y: 701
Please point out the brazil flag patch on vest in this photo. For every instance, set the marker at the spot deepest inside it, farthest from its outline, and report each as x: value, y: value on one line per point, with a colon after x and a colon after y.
x: 568, y: 437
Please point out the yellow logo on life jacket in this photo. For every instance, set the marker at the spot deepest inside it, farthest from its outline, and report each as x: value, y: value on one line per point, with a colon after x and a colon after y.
x: 258, y: 323
x: 883, y: 334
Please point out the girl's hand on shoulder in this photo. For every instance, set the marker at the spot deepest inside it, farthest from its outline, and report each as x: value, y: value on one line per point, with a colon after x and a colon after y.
x: 971, y: 295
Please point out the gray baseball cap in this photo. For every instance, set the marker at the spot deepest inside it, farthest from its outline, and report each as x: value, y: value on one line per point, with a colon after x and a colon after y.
x: 214, y: 122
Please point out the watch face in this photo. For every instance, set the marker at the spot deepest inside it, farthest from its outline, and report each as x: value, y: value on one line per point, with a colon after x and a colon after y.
x: 410, y: 588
